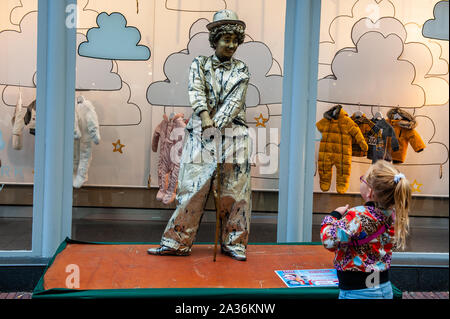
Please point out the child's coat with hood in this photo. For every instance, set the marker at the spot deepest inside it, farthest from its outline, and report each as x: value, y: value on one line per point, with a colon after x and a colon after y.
x: 369, y: 130
x: 404, y: 125
x: 337, y: 130
x: 18, y: 124
x: 380, y: 148
x: 23, y: 116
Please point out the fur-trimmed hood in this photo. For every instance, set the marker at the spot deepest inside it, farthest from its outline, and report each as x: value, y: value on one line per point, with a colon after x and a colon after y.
x: 407, y: 121
x: 335, y: 113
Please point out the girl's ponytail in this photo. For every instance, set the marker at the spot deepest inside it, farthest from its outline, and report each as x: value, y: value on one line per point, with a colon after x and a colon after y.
x: 402, y: 197
x: 392, y: 190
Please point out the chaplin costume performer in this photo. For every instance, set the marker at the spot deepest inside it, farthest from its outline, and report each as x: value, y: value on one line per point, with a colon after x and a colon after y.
x: 217, y: 90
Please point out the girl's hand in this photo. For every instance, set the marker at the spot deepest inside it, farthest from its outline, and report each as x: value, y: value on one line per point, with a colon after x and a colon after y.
x: 342, y: 210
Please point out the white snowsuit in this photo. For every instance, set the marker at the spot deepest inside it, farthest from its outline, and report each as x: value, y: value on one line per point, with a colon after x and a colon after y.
x: 86, y: 131
x: 18, y: 123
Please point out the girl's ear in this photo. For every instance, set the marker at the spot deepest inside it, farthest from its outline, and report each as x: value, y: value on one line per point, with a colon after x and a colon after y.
x: 371, y: 194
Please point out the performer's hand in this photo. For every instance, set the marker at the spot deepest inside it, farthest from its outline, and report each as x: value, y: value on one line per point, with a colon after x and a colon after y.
x: 342, y: 210
x: 206, y: 120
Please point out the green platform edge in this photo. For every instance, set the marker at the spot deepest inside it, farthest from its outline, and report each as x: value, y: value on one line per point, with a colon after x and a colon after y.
x: 169, y: 293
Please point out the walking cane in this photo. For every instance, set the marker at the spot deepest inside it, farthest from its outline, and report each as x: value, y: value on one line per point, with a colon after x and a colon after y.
x: 218, y: 216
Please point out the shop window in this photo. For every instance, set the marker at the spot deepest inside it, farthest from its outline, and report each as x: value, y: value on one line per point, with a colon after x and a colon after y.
x: 386, y: 63
x: 133, y: 60
x: 18, y: 38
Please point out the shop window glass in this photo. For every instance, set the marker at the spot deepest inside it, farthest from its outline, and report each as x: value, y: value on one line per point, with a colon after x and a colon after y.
x: 18, y: 41
x: 133, y: 60
x: 387, y: 60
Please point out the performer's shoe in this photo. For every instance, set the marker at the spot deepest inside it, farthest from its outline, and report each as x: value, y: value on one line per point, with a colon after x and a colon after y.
x: 234, y: 254
x: 166, y: 251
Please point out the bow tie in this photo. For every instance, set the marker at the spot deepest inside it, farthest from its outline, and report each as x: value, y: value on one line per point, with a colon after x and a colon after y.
x: 218, y: 64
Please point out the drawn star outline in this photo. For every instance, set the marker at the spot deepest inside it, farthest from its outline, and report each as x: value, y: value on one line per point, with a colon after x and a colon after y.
x: 118, y: 147
x: 261, y: 121
x: 416, y: 187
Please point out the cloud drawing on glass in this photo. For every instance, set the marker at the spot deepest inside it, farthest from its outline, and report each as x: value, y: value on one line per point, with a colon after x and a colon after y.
x: 114, y: 40
x: 18, y: 54
x: 85, y: 17
x: 174, y: 90
x: 116, y: 109
x: 264, y: 88
x: 415, y: 52
x: 336, y: 33
x: 259, y: 60
x: 19, y: 63
x: 196, y: 5
x: 361, y: 73
x: 95, y: 74
x: 437, y: 28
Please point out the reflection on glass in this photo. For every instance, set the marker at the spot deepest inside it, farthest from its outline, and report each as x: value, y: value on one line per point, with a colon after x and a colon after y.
x: 18, y: 40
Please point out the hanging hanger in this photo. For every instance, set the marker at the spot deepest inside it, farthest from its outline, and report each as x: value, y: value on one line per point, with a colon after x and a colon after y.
x: 358, y: 113
x: 378, y: 115
x: 166, y: 113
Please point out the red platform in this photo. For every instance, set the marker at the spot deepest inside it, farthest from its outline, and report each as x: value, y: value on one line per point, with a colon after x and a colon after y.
x: 126, y: 270
x: 125, y: 266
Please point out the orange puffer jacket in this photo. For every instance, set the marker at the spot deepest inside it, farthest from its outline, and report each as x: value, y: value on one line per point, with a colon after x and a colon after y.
x: 336, y: 147
x: 404, y: 125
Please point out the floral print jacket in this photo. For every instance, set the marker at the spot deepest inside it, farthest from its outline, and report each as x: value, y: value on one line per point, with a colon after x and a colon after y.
x: 342, y: 235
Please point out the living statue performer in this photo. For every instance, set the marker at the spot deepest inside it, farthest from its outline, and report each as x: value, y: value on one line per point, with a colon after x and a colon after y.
x: 217, y: 90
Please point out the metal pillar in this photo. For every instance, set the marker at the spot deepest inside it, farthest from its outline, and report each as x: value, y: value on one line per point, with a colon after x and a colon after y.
x: 54, y: 126
x: 298, y: 121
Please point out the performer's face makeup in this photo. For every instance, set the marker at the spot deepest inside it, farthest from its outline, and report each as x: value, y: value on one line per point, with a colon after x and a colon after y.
x: 227, y: 45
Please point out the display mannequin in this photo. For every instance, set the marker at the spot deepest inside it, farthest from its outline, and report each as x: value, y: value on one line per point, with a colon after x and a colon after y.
x: 217, y: 90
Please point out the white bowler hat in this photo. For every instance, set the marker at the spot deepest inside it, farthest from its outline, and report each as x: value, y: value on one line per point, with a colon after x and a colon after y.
x: 225, y: 17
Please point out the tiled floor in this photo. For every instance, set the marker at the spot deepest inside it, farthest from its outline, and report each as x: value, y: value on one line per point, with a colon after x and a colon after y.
x: 406, y: 295
x: 425, y: 295
x: 15, y: 295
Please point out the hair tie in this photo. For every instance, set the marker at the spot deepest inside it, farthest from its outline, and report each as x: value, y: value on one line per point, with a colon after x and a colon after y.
x: 398, y: 177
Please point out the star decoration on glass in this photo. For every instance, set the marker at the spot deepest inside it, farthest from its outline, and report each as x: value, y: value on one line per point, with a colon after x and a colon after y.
x: 261, y: 121
x: 118, y: 147
x: 416, y: 187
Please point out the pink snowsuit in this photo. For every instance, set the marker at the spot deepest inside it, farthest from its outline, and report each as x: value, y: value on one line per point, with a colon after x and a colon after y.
x: 168, y: 167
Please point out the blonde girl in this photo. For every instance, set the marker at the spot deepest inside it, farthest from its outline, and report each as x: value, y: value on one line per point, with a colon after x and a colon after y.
x: 363, y: 237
